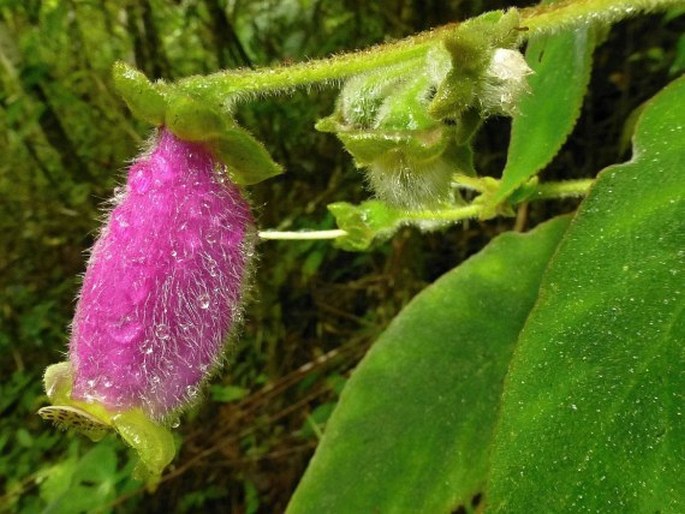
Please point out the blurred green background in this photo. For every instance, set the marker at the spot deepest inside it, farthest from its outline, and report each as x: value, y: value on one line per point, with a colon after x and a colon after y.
x: 65, y: 139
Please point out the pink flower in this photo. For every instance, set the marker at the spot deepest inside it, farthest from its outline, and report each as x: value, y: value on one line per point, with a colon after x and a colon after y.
x: 163, y: 286
x: 161, y: 293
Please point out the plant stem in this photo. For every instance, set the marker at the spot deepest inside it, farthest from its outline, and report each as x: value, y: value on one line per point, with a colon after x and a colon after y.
x: 547, y: 18
x: 561, y: 15
x: 453, y: 214
x: 546, y: 191
x: 266, y: 80
x: 565, y: 189
x: 301, y: 234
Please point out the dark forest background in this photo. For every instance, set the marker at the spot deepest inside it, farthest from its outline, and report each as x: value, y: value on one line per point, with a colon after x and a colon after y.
x: 65, y: 140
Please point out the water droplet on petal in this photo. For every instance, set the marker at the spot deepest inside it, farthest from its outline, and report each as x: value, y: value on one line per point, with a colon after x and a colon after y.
x: 121, y: 220
x: 204, y: 301
x: 139, y: 290
x: 126, y: 330
x: 147, y: 347
x: 192, y: 392
x: 162, y: 331
x: 140, y: 182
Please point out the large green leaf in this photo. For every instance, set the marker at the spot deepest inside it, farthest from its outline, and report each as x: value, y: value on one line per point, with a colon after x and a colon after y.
x: 561, y: 63
x: 593, y: 415
x: 412, y: 430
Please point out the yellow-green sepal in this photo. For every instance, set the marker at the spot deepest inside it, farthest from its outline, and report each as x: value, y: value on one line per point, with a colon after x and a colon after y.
x: 396, y: 119
x: 471, y: 48
x: 370, y: 221
x: 153, y: 443
x: 193, y: 117
x: 144, y: 98
x: 247, y: 159
x: 405, y: 109
x: 362, y: 103
x: 368, y: 146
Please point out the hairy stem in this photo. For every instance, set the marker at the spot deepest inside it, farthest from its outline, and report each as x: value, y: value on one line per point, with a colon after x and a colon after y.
x: 566, y: 189
x: 246, y: 82
x: 454, y: 214
x: 302, y: 234
x: 560, y: 15
x: 546, y: 191
x: 547, y: 18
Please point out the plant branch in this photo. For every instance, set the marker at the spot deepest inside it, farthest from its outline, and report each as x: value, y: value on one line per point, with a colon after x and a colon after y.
x: 565, y: 189
x: 546, y: 191
x: 454, y: 214
x: 302, y: 234
x: 570, y: 13
x: 540, y: 19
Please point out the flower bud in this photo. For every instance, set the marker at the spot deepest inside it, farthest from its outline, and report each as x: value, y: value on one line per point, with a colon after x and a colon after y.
x: 505, y: 82
x: 161, y: 295
x: 485, y: 71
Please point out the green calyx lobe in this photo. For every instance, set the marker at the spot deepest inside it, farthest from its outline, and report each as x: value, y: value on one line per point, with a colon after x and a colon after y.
x: 372, y: 220
x: 144, y: 99
x: 153, y: 443
x: 470, y: 49
x: 410, y: 125
x: 247, y: 159
x: 193, y: 116
x: 382, y: 119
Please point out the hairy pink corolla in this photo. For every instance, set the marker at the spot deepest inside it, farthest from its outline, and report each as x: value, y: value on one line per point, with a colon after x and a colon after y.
x: 160, y: 297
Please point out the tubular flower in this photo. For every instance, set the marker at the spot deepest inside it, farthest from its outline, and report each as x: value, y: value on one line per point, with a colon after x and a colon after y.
x: 160, y: 297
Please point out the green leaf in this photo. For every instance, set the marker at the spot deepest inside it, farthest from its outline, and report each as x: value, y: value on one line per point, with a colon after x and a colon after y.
x: 142, y: 97
x: 561, y: 63
x: 228, y: 393
x: 412, y: 430
x: 593, y: 416
x: 195, y: 118
x: 364, y: 223
x: 82, y: 485
x: 678, y: 65
x: 247, y: 159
